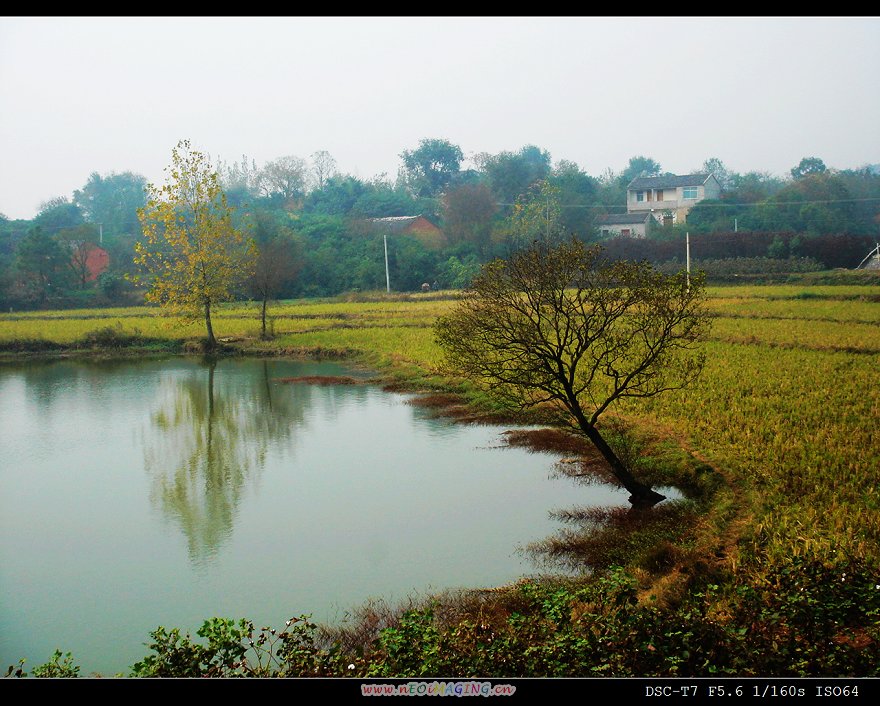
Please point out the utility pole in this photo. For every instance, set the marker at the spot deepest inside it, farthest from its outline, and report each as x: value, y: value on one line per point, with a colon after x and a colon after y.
x: 387, y: 276
x: 687, y: 240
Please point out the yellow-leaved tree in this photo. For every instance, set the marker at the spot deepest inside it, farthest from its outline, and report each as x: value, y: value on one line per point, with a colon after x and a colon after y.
x: 193, y: 254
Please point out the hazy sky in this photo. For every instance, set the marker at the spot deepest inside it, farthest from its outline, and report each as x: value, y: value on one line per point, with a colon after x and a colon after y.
x: 108, y: 94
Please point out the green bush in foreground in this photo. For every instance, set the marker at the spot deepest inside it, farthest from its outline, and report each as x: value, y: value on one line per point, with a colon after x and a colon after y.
x: 236, y: 649
x: 61, y: 666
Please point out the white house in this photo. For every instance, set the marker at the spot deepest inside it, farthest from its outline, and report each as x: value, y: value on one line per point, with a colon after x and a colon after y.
x: 669, y: 198
x: 637, y: 225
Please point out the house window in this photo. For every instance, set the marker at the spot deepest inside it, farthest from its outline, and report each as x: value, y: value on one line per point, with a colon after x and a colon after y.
x: 689, y: 192
x: 667, y: 220
x: 659, y: 194
x: 640, y: 195
x: 605, y: 232
x: 625, y: 231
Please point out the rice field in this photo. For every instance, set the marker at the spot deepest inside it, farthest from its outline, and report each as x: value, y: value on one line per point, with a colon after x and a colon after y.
x: 787, y: 409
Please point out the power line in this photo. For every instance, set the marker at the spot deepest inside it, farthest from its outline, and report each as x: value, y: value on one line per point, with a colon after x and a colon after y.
x: 784, y: 203
x: 703, y: 204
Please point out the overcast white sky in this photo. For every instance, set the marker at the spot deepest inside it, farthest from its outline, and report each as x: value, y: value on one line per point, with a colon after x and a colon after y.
x: 115, y: 94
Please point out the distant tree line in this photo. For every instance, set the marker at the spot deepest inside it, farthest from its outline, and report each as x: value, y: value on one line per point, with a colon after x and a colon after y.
x: 310, y: 217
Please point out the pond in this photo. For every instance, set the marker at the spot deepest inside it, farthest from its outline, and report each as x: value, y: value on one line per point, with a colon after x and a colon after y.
x: 164, y: 492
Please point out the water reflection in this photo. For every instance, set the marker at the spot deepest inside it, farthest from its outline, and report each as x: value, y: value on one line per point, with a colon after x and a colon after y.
x: 207, y: 444
x: 324, y: 495
x: 605, y: 535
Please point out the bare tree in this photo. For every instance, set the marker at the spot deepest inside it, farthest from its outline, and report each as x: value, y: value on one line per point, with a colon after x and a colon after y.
x: 242, y: 175
x: 285, y: 176
x: 277, y: 265
x: 323, y: 167
x: 79, y: 243
x: 563, y: 327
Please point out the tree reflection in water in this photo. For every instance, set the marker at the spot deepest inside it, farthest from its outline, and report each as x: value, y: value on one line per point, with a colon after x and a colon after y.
x: 210, y: 437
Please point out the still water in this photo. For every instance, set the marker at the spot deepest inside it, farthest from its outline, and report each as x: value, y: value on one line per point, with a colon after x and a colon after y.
x: 164, y: 492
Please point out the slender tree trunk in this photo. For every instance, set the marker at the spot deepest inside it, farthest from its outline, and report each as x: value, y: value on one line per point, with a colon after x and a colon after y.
x: 263, y: 334
x: 641, y: 494
x: 212, y: 342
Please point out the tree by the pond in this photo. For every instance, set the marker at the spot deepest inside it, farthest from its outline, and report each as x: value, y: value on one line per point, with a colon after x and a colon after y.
x: 563, y: 327
x: 195, y: 255
x: 277, y: 265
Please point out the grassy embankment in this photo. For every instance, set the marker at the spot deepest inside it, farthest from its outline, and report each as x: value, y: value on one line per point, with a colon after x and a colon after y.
x: 770, y: 566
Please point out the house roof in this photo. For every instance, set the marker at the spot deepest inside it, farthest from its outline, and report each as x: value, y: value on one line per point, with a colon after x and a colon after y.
x: 397, y: 224
x: 669, y: 182
x: 396, y: 219
x: 624, y: 219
